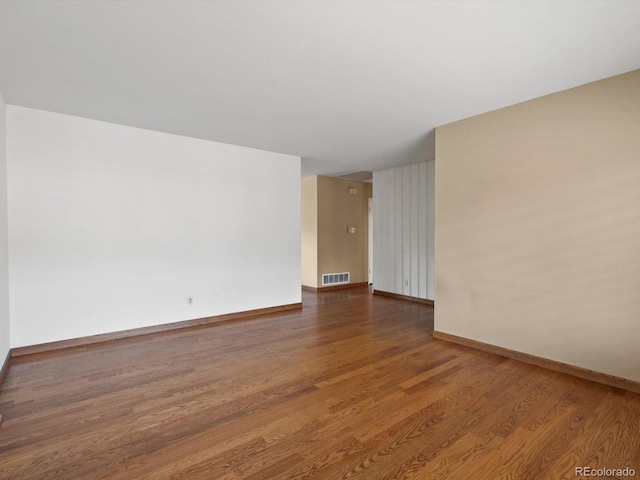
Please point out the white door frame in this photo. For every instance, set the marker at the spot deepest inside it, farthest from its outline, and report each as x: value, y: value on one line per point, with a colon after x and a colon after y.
x: 370, y: 238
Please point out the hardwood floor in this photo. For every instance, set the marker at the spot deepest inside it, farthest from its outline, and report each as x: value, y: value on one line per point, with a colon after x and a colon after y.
x: 352, y: 386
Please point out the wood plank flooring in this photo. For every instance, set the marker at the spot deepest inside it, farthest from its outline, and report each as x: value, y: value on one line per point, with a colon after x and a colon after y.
x: 352, y: 386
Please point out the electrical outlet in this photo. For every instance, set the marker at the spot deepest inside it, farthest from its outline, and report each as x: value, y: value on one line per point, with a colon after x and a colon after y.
x: 190, y: 300
x: 406, y: 282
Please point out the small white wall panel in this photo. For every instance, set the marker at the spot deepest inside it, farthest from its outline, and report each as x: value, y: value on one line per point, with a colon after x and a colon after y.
x: 422, y: 232
x: 403, y: 261
x: 415, y: 213
x: 391, y: 231
x: 406, y: 231
x: 383, y: 238
x: 397, y: 194
x: 5, y: 333
x: 430, y: 219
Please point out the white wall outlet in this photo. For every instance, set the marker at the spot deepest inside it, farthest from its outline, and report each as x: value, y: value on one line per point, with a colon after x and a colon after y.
x: 190, y: 300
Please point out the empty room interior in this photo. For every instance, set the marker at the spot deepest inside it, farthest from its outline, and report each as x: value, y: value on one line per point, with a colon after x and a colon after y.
x: 317, y: 239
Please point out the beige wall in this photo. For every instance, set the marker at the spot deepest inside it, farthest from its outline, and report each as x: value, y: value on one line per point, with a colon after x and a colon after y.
x: 537, y: 237
x: 309, y: 208
x: 339, y: 251
x: 327, y: 210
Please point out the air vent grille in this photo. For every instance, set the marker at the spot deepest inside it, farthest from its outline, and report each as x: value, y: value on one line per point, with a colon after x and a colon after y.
x: 359, y: 176
x: 335, y: 278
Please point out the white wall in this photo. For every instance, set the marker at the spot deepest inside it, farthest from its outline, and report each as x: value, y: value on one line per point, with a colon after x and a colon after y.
x: 4, y: 259
x: 113, y: 227
x: 403, y: 216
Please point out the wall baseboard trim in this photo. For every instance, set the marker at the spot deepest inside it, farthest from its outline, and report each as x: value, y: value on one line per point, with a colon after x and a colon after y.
x: 134, y: 332
x: 408, y: 298
x: 554, y: 365
x: 334, y: 287
x: 3, y: 371
x: 5, y: 366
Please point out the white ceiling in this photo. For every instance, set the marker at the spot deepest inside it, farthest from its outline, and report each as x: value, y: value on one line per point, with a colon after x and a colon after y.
x: 346, y: 85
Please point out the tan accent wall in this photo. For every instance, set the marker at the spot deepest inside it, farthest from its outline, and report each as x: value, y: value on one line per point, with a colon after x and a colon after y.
x: 338, y: 250
x: 537, y: 229
x: 309, y: 209
x: 327, y: 210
